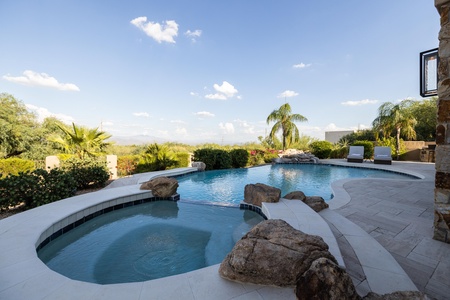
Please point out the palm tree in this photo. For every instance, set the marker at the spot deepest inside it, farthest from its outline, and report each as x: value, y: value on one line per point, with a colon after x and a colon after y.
x: 284, y: 121
x: 395, y: 117
x: 81, y: 141
x: 160, y: 156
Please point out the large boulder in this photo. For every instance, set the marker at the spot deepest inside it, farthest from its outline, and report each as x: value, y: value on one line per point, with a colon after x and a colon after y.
x: 315, y: 202
x: 201, y: 166
x: 325, y: 280
x: 257, y: 193
x: 273, y: 253
x: 163, y: 187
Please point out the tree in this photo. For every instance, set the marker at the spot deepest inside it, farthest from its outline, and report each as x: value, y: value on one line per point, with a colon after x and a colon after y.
x: 284, y: 122
x: 425, y: 112
x: 16, y: 126
x: 81, y: 141
x: 395, y: 118
x: 160, y: 156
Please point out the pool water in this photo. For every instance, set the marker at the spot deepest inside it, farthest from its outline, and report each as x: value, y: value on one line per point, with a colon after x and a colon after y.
x: 148, y: 241
x: 226, y: 187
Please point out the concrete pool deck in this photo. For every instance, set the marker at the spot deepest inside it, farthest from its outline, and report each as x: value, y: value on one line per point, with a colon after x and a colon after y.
x: 397, y: 214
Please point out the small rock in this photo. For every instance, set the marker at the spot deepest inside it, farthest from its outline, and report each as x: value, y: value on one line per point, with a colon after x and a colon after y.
x: 162, y: 187
x: 257, y: 193
x: 201, y: 166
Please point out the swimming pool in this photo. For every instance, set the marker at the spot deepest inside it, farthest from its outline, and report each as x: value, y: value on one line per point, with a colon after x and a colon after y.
x: 226, y: 187
x: 148, y: 241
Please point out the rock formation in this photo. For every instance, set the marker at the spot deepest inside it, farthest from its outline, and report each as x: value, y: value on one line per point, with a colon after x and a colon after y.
x: 257, y: 193
x: 162, y: 187
x: 273, y: 253
x: 293, y: 156
x: 315, y: 202
x: 325, y: 280
x: 201, y: 166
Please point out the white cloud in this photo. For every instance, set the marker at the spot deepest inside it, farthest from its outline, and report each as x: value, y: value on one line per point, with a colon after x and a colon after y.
x: 107, y: 123
x: 360, y: 102
x: 227, y: 128
x: 224, y: 91
x: 193, y: 34
x: 226, y: 88
x: 216, y: 96
x: 43, y: 113
x: 204, y: 114
x: 301, y: 66
x: 177, y: 122
x: 333, y: 127
x: 32, y: 78
x: 193, y: 94
x: 287, y: 94
x: 159, y: 32
x: 141, y: 114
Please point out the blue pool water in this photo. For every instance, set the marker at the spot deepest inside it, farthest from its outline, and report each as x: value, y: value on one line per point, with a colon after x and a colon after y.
x: 226, y: 187
x: 148, y: 241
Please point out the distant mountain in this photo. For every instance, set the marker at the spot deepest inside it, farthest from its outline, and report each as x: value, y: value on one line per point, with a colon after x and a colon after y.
x: 137, y: 140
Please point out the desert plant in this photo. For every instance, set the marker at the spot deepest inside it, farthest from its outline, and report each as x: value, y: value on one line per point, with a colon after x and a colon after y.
x: 321, y: 149
x: 239, y: 158
x: 15, y: 166
x: 368, y: 148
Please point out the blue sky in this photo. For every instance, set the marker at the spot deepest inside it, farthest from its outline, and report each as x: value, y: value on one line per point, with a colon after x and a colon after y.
x: 212, y: 71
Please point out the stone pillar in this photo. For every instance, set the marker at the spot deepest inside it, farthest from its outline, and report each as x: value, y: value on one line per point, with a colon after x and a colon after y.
x: 51, y: 162
x: 111, y: 163
x: 442, y: 185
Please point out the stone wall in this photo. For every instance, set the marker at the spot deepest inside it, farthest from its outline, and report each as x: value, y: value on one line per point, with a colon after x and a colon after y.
x: 442, y: 185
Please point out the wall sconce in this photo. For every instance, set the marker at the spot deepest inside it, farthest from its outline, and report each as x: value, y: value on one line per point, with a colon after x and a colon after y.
x: 429, y: 61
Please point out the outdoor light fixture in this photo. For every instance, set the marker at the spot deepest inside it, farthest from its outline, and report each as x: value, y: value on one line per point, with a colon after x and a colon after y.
x: 429, y: 61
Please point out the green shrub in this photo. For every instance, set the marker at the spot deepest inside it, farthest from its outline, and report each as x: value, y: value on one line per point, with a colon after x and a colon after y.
x: 368, y: 148
x: 87, y: 172
x: 321, y: 149
x: 213, y: 158
x: 239, y: 158
x: 206, y: 155
x: 223, y: 159
x: 15, y: 165
x: 183, y: 159
x: 269, y: 155
x: 126, y: 165
x: 36, y: 188
x: 339, y: 152
x: 256, y: 157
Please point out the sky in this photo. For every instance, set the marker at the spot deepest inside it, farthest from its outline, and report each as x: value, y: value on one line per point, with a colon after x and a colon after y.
x: 212, y: 71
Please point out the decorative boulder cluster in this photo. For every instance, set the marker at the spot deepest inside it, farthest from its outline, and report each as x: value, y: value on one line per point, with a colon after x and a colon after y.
x: 274, y: 253
x: 293, y: 156
x: 257, y: 193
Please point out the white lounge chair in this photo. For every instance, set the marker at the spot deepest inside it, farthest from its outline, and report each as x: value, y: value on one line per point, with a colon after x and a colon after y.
x: 356, y: 154
x: 382, y: 155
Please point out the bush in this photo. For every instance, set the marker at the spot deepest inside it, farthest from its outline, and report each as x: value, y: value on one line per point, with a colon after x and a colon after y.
x: 256, y: 158
x: 339, y: 152
x: 36, y: 188
x: 15, y: 165
x: 269, y: 155
x: 223, y: 159
x: 213, y: 158
x: 321, y: 149
x: 239, y: 158
x: 368, y: 148
x: 183, y: 159
x: 126, y: 165
x: 88, y: 173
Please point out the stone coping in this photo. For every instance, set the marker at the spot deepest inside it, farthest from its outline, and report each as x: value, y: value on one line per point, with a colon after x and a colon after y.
x: 24, y: 276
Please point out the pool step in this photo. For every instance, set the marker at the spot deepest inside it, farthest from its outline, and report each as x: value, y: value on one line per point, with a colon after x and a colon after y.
x: 302, y: 217
x: 383, y: 273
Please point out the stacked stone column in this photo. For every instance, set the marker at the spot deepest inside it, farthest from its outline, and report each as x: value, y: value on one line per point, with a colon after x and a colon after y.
x: 442, y: 185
